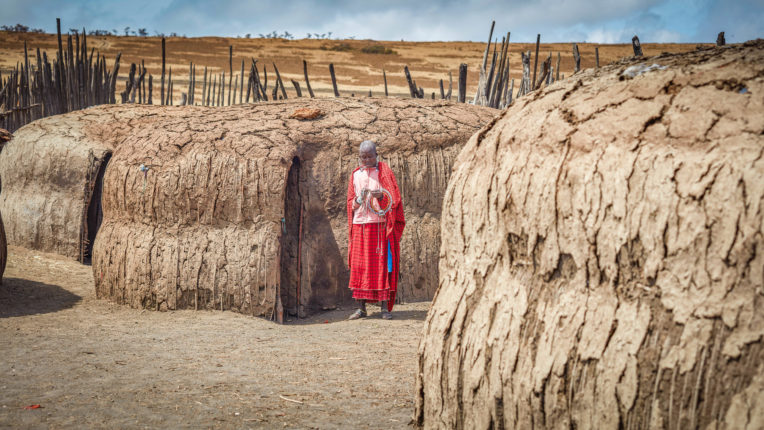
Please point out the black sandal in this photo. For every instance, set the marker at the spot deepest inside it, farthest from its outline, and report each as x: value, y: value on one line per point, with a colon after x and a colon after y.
x: 359, y: 313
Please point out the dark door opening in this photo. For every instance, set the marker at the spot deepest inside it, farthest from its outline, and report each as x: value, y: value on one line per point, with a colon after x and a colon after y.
x: 291, y: 235
x: 94, y: 214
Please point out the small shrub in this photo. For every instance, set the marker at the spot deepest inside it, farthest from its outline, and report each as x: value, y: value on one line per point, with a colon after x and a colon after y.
x: 377, y: 49
x: 340, y: 47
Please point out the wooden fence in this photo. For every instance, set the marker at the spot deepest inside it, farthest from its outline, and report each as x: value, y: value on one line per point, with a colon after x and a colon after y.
x: 75, y: 80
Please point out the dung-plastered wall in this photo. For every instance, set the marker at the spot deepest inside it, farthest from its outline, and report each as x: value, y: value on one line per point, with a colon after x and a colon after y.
x: 200, y: 225
x: 606, y: 263
x: 47, y: 172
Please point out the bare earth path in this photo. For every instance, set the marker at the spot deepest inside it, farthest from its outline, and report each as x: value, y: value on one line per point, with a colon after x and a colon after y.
x: 90, y: 363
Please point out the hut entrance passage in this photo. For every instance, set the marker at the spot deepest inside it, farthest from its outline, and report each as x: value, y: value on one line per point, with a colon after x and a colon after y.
x: 94, y: 214
x: 291, y: 241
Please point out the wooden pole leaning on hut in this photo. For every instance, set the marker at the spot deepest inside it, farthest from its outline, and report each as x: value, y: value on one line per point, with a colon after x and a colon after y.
x: 462, y: 96
x: 334, y: 80
x: 307, y: 81
x: 241, y: 87
x: 636, y: 46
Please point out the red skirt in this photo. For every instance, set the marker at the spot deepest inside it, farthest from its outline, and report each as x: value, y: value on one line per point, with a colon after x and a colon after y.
x: 368, y: 263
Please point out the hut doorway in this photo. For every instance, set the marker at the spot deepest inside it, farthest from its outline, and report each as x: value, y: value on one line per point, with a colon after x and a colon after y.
x: 94, y: 214
x: 291, y: 239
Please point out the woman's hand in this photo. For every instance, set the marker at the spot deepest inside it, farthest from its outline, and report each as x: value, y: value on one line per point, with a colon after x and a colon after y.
x: 379, y: 195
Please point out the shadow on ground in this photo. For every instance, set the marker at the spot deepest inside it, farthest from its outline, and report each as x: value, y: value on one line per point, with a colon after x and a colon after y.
x: 20, y: 297
x: 344, y: 312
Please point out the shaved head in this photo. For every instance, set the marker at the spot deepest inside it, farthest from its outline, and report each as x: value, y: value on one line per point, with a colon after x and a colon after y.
x: 367, y: 153
x: 368, y: 145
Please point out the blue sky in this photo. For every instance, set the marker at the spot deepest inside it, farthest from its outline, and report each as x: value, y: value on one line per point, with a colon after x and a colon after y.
x: 600, y: 21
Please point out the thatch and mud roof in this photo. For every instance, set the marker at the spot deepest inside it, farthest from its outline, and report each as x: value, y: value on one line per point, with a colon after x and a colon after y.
x: 218, y: 208
x: 605, y: 267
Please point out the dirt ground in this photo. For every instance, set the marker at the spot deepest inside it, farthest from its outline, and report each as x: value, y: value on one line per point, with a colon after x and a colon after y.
x: 91, y: 363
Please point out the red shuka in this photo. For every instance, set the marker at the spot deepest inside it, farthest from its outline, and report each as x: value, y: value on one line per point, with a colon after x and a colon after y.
x: 362, y: 247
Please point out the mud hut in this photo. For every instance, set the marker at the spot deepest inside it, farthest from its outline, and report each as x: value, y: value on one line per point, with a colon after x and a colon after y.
x: 49, y: 173
x: 608, y: 267
x: 239, y: 208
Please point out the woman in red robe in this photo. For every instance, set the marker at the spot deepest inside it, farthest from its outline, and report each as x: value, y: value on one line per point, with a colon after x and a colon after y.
x: 374, y: 248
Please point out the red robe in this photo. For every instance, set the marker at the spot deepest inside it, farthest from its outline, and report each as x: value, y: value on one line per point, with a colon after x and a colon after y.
x: 361, y: 251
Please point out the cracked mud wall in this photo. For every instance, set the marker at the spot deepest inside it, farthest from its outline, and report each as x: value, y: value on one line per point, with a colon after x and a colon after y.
x: 3, y: 249
x: 201, y: 228
x: 47, y: 172
x: 607, y: 264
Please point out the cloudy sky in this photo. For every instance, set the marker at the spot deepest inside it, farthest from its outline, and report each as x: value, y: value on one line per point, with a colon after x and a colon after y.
x: 600, y: 21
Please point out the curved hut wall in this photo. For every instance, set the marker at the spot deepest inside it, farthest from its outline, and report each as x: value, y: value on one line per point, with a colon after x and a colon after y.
x: 609, y: 267
x: 200, y: 225
x: 48, y: 172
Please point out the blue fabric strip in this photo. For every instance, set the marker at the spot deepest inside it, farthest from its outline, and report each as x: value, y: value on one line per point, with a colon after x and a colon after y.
x: 389, y: 258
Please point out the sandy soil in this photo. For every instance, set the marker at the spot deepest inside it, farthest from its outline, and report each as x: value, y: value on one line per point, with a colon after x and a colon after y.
x: 90, y: 363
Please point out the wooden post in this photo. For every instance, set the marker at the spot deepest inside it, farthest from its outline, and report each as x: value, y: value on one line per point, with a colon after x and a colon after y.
x: 536, y: 58
x: 597, y: 56
x: 307, y: 81
x: 297, y: 88
x: 462, y: 83
x: 204, y: 87
x: 163, y: 65
x: 557, y: 68
x: 720, y: 39
x: 230, y: 72
x: 442, y: 91
x: 169, y: 88
x: 151, y: 89
x: 279, y: 82
x: 235, y: 88
x: 369, y: 93
x: 525, y: 84
x: 412, y: 87
x: 450, y: 85
x: 334, y: 80
x: 241, y: 88
x: 211, y: 94
x: 190, y: 81
x: 577, y: 58
x: 384, y: 77
x: 637, y: 47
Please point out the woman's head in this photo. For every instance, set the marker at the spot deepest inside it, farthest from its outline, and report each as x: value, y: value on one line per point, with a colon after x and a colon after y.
x: 367, y: 154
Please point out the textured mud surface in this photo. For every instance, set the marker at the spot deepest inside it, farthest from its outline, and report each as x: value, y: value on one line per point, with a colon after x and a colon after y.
x: 93, y: 364
x: 605, y: 263
x: 201, y: 225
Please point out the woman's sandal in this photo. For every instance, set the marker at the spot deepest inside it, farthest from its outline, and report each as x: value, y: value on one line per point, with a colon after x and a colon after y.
x: 387, y: 315
x: 359, y: 313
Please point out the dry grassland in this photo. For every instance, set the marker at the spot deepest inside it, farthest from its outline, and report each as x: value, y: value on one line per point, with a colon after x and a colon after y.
x: 357, y: 72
